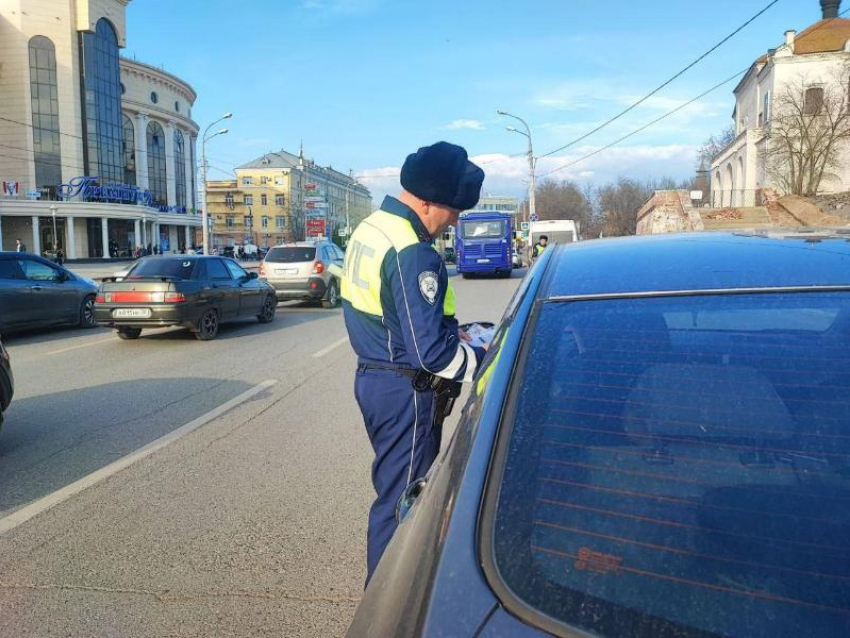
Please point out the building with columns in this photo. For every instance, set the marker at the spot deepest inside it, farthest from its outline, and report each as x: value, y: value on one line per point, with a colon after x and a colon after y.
x: 811, y: 66
x: 97, y: 146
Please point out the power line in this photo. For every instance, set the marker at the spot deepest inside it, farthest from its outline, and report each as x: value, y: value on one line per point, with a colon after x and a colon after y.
x: 678, y: 108
x: 665, y: 84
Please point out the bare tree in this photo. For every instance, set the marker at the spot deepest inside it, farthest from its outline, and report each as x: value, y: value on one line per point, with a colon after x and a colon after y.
x: 805, y: 133
x: 713, y: 146
x: 563, y: 200
x: 620, y: 202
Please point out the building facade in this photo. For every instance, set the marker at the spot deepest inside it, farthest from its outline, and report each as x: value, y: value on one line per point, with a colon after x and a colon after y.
x: 813, y: 63
x: 99, y: 147
x: 281, y: 197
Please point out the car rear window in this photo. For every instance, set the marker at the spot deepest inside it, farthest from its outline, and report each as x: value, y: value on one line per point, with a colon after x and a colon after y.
x: 179, y: 268
x: 681, y: 467
x: 291, y: 254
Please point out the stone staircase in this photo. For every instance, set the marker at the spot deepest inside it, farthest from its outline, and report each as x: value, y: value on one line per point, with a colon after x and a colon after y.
x: 749, y: 217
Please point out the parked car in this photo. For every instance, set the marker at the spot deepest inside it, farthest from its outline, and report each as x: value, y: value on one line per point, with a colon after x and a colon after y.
x: 197, y: 292
x: 7, y: 381
x: 657, y: 445
x: 36, y: 293
x: 302, y: 270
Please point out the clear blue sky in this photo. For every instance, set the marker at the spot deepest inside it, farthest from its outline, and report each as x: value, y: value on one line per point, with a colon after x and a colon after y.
x: 364, y: 82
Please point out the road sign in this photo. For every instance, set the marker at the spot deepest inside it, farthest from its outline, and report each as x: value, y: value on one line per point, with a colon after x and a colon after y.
x: 535, y: 217
x: 523, y: 225
x: 343, y: 232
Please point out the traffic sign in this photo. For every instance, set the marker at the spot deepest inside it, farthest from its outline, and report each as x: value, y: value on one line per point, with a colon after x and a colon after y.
x: 535, y: 217
x: 523, y: 225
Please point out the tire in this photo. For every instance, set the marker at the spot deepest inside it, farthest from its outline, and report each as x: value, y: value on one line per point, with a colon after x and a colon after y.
x: 332, y: 298
x: 87, y: 318
x: 208, y: 323
x: 129, y: 333
x: 465, y: 275
x: 268, y: 310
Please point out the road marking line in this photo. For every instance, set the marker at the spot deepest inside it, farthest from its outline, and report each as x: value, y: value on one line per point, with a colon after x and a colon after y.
x: 327, y: 349
x: 82, y: 345
x: 43, y: 504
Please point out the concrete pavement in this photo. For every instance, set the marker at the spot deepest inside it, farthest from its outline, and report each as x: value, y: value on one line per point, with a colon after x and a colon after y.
x: 252, y: 524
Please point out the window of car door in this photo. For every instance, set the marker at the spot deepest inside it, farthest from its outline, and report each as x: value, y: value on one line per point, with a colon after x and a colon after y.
x: 238, y: 273
x: 37, y: 271
x: 216, y: 271
x: 9, y: 270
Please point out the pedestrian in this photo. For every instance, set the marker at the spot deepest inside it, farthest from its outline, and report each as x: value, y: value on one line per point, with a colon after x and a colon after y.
x: 20, y: 247
x: 539, y: 247
x: 399, y: 313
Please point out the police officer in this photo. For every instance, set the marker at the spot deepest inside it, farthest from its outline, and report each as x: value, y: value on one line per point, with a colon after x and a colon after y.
x: 399, y: 312
x: 539, y: 247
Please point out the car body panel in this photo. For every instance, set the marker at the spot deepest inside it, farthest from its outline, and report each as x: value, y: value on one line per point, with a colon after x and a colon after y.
x: 412, y: 592
x: 31, y: 301
x: 7, y: 379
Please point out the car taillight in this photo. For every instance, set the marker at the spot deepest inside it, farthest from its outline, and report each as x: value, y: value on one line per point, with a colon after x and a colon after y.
x: 175, y: 297
x: 263, y: 269
x: 318, y: 268
x: 100, y: 299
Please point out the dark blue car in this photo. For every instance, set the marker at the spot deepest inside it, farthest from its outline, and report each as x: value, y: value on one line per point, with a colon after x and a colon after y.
x: 658, y: 446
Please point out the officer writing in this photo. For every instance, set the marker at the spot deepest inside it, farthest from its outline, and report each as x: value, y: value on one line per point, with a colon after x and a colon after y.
x: 399, y: 314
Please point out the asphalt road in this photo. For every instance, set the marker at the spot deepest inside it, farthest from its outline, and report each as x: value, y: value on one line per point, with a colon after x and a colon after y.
x: 247, y: 516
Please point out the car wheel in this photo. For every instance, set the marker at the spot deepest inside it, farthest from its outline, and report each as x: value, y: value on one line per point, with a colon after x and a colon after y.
x: 269, y: 308
x: 465, y: 275
x: 87, y: 318
x: 332, y: 299
x: 129, y: 333
x: 207, y: 325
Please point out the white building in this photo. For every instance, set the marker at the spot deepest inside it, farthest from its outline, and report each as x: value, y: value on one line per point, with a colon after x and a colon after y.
x: 817, y: 58
x: 103, y: 143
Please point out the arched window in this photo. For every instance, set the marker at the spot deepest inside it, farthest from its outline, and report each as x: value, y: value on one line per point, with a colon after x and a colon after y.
x: 180, y: 168
x: 102, y: 101
x: 129, y: 151
x: 156, y: 163
x: 45, y: 113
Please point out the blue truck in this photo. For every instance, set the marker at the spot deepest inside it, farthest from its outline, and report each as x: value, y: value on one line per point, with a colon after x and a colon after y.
x: 484, y: 244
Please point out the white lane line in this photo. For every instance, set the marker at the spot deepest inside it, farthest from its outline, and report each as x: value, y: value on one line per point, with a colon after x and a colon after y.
x: 82, y: 345
x: 327, y: 349
x: 43, y: 504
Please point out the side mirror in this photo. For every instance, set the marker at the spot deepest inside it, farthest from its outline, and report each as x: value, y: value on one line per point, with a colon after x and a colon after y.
x: 253, y: 275
x: 408, y: 499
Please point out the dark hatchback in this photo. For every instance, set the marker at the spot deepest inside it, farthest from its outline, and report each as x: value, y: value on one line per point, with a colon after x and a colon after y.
x: 196, y: 292
x: 658, y: 446
x: 7, y: 381
x: 36, y: 293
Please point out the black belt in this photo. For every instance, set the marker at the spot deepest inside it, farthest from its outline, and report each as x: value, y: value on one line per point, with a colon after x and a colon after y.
x: 407, y: 372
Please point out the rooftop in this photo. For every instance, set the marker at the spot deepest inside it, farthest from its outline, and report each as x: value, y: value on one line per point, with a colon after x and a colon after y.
x: 715, y: 260
x: 823, y: 36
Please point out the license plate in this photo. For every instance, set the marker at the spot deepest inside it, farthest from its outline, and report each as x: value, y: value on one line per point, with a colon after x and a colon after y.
x: 483, y: 261
x: 287, y: 271
x: 132, y: 313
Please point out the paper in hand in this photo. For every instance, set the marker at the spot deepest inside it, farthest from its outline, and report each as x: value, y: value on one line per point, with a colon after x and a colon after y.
x: 479, y: 334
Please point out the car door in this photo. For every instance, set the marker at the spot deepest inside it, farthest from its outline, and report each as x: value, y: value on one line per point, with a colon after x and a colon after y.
x: 223, y: 288
x: 251, y: 295
x: 52, y: 299
x: 14, y: 294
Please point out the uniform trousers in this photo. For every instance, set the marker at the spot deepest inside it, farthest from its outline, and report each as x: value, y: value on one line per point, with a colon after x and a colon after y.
x: 400, y: 424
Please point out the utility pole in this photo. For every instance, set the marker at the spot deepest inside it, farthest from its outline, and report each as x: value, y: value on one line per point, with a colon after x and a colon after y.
x: 532, y: 161
x: 204, y: 213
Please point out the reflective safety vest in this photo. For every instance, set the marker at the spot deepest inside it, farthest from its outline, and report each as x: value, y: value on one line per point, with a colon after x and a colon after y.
x: 399, y: 306
x: 538, y: 250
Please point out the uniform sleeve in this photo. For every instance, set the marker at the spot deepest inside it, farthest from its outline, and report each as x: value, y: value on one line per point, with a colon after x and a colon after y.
x: 418, y: 280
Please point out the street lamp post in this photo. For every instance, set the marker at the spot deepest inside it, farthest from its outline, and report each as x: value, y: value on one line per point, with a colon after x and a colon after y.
x: 204, y: 139
x: 55, y: 241
x: 531, y: 159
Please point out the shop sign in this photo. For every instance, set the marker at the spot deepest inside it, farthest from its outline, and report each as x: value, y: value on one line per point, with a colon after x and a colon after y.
x: 88, y: 189
x: 315, y: 227
x: 311, y: 186
x: 11, y: 189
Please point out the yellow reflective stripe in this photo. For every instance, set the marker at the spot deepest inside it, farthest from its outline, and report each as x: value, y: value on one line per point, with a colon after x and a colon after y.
x: 369, y: 244
x: 484, y: 379
x: 450, y: 305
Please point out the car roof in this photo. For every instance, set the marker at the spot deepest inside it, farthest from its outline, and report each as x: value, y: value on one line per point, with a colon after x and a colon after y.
x: 700, y: 261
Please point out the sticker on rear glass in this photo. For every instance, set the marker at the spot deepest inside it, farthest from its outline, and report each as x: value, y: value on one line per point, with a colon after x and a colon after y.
x: 428, y: 286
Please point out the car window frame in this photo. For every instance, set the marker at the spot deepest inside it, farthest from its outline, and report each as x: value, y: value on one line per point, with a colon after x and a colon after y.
x: 58, y: 274
x: 488, y: 506
x: 223, y: 265
x: 229, y: 264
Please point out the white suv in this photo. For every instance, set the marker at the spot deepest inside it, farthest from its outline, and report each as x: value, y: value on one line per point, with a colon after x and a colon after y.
x: 302, y: 270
